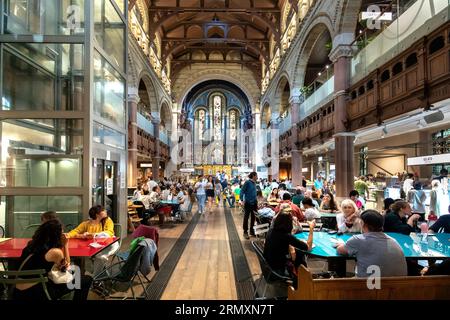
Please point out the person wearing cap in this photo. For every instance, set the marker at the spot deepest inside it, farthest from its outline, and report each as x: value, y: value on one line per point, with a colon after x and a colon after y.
x: 374, y: 248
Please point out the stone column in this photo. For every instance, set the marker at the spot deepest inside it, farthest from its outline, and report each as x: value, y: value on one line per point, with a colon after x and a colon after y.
x: 296, y: 159
x: 257, y: 148
x: 297, y: 166
x: 157, y: 158
x: 171, y: 167
x: 275, y: 148
x: 344, y: 147
x: 133, y: 100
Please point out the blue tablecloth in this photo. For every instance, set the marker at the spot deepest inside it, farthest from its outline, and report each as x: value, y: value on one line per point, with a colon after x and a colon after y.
x: 438, y: 245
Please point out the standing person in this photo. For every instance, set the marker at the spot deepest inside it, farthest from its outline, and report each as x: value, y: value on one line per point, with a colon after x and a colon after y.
x: 210, y: 193
x: 438, y: 199
x: 201, y: 194
x: 408, y: 184
x: 362, y: 187
x: 416, y: 197
x: 218, y: 192
x: 318, y: 183
x: 248, y: 197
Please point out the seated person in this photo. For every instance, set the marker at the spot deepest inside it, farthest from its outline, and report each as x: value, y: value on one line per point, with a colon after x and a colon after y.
x: 354, y: 196
x: 441, y: 225
x: 298, y: 197
x: 396, y: 220
x: 273, y: 198
x: 48, y: 215
x: 308, y: 204
x: 328, y: 204
x: 155, y: 198
x: 145, y: 199
x: 49, y: 247
x: 262, y: 202
x: 229, y: 196
x: 295, y: 210
x: 99, y: 224
x: 348, y: 220
x: 280, y: 242
x: 387, y: 205
x: 373, y: 247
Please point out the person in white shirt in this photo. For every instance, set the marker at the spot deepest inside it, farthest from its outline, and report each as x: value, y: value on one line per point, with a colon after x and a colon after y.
x: 201, y: 194
x: 348, y: 220
x: 274, y: 184
x: 408, y: 183
x: 151, y: 184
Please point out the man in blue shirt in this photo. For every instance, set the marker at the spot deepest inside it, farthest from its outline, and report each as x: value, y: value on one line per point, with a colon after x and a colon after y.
x: 248, y: 197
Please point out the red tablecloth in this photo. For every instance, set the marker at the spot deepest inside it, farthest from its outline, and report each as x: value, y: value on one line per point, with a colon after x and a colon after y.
x: 12, y: 248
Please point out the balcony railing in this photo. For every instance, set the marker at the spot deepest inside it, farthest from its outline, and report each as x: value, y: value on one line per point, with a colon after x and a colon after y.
x: 320, y: 97
x: 145, y: 124
x: 417, y: 21
x: 285, y: 124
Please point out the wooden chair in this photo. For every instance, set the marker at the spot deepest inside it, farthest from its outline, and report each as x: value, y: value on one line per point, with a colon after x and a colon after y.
x: 391, y: 288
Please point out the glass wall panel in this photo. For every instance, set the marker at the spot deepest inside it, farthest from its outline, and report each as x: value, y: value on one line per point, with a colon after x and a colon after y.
x: 47, y: 77
x: 17, y: 212
x: 45, y: 17
x: 109, y: 32
x: 121, y: 5
x: 109, y: 92
x: 41, y: 153
x: 108, y: 136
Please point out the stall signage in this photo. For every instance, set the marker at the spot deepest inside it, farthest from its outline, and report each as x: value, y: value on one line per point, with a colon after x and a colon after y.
x: 431, y: 159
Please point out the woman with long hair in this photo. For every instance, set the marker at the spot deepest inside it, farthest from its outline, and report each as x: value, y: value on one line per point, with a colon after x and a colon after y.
x: 48, y: 248
x: 328, y: 204
x: 99, y: 224
x: 210, y: 193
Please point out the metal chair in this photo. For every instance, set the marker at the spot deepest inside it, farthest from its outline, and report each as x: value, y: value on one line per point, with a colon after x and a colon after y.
x: 261, y: 229
x: 8, y: 279
x: 125, y: 272
x: 270, y: 276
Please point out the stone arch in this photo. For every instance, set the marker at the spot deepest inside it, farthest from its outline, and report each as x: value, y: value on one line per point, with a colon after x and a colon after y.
x: 213, y: 74
x: 165, y: 115
x: 347, y: 17
x: 236, y: 32
x: 282, y: 94
x: 146, y: 79
x: 133, y: 80
x: 312, y: 34
x: 266, y: 115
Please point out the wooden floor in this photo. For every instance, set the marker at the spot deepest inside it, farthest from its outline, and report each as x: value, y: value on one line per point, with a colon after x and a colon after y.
x: 205, y: 269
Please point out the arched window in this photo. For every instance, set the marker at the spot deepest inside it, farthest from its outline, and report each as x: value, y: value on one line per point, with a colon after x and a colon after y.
x: 217, y: 111
x: 201, y: 124
x: 233, y: 124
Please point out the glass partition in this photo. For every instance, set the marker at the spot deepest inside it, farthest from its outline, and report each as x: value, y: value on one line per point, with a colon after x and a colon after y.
x: 41, y: 153
x: 108, y: 136
x: 17, y: 212
x: 109, y: 32
x: 109, y: 92
x: 44, y: 17
x: 43, y: 77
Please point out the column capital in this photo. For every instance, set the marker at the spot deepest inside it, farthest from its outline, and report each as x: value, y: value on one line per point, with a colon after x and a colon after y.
x: 344, y: 134
x: 341, y: 51
x: 133, y: 95
x: 296, y: 99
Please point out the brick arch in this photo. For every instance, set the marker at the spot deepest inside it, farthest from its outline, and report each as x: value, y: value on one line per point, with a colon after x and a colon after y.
x: 165, y: 113
x: 133, y: 79
x: 321, y: 25
x: 266, y: 114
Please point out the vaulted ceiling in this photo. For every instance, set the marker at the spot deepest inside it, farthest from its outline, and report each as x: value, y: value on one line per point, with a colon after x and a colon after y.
x: 230, y: 31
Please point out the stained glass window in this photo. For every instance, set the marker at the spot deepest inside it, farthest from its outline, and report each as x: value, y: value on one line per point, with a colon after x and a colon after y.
x: 233, y: 127
x: 217, y: 118
x: 201, y: 124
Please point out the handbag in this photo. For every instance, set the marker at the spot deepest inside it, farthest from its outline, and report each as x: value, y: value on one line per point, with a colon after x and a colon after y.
x: 60, y: 277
